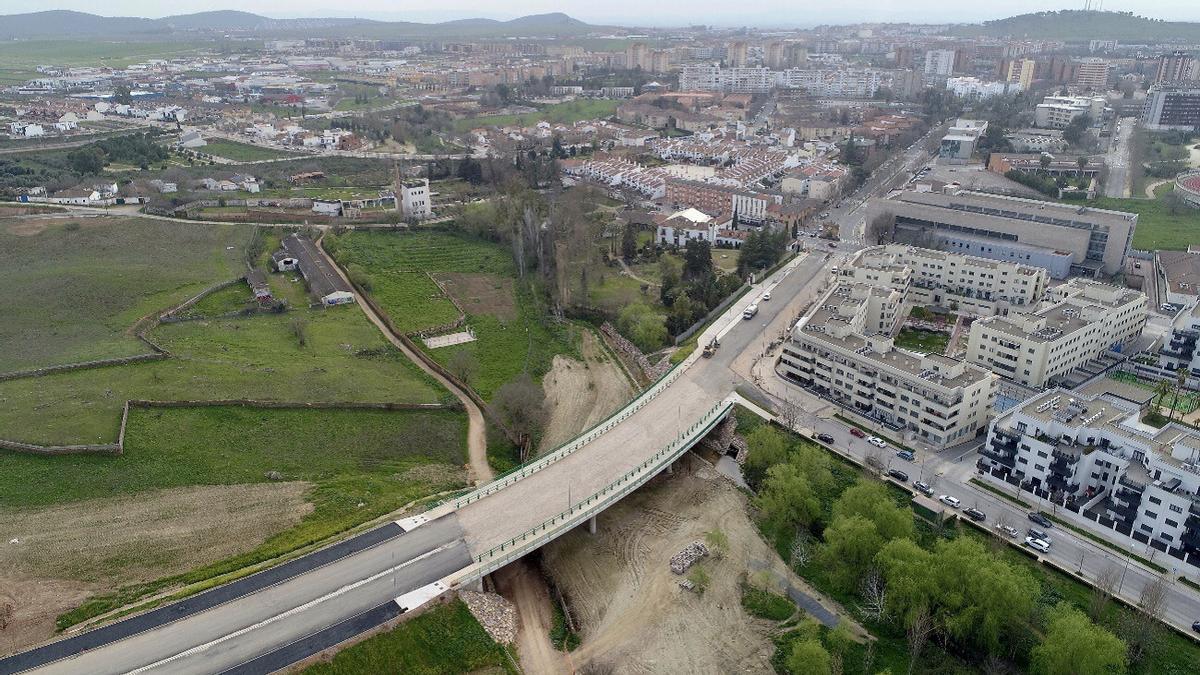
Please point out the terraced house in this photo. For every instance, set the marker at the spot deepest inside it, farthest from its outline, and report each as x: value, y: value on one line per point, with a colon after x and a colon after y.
x: 1090, y: 451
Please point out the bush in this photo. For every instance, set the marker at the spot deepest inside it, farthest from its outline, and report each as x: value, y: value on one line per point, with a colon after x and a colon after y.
x: 766, y: 605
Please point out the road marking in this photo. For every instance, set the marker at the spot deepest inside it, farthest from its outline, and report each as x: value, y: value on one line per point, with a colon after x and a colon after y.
x: 291, y: 612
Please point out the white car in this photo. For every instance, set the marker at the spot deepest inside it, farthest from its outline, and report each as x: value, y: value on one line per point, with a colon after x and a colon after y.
x: 1037, y: 544
x: 876, y: 441
x: 1008, y: 530
x: 952, y: 502
x: 766, y: 296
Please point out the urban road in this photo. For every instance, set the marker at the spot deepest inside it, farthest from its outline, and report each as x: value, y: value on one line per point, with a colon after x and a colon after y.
x: 269, y: 621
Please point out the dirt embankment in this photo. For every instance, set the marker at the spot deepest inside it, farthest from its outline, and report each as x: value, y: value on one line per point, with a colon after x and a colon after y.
x: 634, y: 617
x: 580, y: 394
x: 53, y: 559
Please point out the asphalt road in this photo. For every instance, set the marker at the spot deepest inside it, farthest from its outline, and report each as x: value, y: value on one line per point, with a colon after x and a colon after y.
x: 1119, y: 182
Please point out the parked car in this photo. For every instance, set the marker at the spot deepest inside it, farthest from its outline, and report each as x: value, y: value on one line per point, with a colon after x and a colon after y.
x: 877, y: 441
x: 898, y: 475
x: 924, y: 488
x: 1041, y: 519
x: 825, y: 438
x: 907, y: 455
x: 857, y: 433
x: 952, y: 502
x: 975, y: 514
x: 1037, y: 544
x: 1196, y: 626
x: 766, y: 296
x: 1008, y: 530
x: 1038, y: 534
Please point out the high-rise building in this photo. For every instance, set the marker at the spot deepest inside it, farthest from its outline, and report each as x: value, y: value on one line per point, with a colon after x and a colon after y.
x: 1020, y: 71
x: 1092, y: 73
x: 660, y: 61
x: 1177, y: 67
x: 1171, y: 107
x: 939, y: 62
x: 738, y: 54
x: 775, y: 55
x: 637, y: 56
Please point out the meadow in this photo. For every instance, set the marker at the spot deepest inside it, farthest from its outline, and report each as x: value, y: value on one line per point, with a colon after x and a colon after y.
x: 1157, y: 227
x: 567, y: 112
x: 241, y: 152
x: 73, y: 288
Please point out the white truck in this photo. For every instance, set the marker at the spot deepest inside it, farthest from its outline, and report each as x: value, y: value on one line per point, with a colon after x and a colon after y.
x: 750, y: 311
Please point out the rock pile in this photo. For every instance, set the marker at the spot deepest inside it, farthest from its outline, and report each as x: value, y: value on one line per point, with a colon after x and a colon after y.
x: 693, y: 552
x: 497, y: 615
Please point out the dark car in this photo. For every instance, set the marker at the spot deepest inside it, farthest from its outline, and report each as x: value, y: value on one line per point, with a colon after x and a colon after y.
x: 907, y: 455
x: 975, y: 514
x: 825, y: 438
x: 898, y: 475
x: 1196, y: 626
x: 857, y: 433
x: 924, y: 488
x: 1041, y: 519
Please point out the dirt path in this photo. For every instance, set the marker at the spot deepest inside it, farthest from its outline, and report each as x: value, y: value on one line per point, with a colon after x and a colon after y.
x: 522, y: 584
x: 1151, y: 187
x: 580, y: 394
x: 481, y: 471
x: 629, y: 273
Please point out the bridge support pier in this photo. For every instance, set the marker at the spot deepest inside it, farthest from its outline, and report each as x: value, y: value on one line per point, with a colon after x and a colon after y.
x: 671, y: 469
x: 592, y: 525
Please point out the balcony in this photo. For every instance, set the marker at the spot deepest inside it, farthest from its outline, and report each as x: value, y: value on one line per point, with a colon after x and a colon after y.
x: 1134, y: 485
x: 1060, y: 467
x: 1191, y: 539
x: 1066, y: 456
x: 1127, y: 513
x: 1006, y: 459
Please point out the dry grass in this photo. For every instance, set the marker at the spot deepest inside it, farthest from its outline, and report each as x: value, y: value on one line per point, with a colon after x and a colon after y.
x: 481, y: 293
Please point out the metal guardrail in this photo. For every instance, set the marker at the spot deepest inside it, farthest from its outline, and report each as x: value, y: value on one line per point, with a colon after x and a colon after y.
x: 532, y: 467
x: 613, y: 491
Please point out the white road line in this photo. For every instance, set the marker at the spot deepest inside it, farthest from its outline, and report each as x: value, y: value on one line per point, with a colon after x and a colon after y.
x: 291, y: 612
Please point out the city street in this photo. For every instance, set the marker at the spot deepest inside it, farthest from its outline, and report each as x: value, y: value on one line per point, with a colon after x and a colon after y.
x: 1120, y: 177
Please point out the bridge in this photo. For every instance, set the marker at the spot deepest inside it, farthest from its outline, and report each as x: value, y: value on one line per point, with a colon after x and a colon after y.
x: 272, y: 619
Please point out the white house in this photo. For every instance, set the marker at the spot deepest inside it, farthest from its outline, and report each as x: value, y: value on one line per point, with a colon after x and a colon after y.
x: 682, y: 226
x: 327, y: 207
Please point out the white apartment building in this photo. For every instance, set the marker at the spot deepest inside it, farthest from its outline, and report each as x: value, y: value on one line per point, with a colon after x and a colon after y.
x: 961, y: 283
x: 413, y: 198
x: 977, y: 89
x: 1080, y: 321
x: 1090, y: 451
x: 939, y: 62
x: 839, y: 83
x: 1056, y: 112
x: 843, y: 350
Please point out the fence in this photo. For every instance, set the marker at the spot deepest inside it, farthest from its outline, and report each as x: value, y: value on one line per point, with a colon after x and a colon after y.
x: 607, y: 495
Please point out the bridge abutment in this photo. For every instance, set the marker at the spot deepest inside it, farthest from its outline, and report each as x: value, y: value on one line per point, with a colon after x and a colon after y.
x: 592, y: 525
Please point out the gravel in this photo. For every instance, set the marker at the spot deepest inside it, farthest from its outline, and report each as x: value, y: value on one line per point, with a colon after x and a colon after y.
x: 497, y: 615
x: 680, y: 562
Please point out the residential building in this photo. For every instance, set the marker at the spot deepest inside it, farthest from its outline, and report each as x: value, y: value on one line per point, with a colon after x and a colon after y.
x: 1090, y: 451
x: 412, y: 198
x: 1056, y: 112
x: 843, y: 350
x: 1172, y: 107
x: 1021, y: 72
x: 324, y: 283
x: 977, y: 89
x: 958, y: 145
x: 1181, y: 270
x: 737, y: 54
x: 1177, y: 67
x: 678, y: 228
x: 1092, y: 73
x: 939, y: 62
x: 1064, y: 238
x: 1080, y: 321
x: 1177, y: 350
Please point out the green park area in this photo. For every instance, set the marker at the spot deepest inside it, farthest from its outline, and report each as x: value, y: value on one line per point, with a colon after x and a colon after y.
x: 241, y: 152
x: 924, y: 341
x: 1163, y: 223
x: 567, y: 112
x: 938, y: 596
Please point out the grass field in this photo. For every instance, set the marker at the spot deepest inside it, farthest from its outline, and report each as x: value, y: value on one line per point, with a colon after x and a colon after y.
x: 73, y: 288
x: 30, y: 53
x: 241, y: 152
x: 1157, y: 228
x: 446, y: 640
x: 396, y: 263
x: 568, y: 112
x: 924, y: 341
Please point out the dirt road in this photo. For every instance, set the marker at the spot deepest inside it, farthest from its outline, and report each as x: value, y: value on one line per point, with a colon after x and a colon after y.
x: 522, y: 584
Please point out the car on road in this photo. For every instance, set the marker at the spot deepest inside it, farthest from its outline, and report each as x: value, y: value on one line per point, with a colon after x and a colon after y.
x: 975, y: 514
x: 857, y: 433
x: 907, y: 455
x: 825, y: 438
x: 824, y: 215
x: 1037, y: 544
x: 898, y: 475
x: 924, y: 488
x: 1008, y: 530
x: 1038, y: 534
x: 1196, y: 626
x: 877, y: 441
x: 952, y: 502
x: 1041, y: 519
x: 766, y: 296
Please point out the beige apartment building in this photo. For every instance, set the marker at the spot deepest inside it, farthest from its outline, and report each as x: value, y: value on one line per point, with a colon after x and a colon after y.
x: 1078, y: 322
x: 843, y: 350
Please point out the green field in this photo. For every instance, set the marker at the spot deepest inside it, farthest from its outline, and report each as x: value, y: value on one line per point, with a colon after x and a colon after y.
x: 30, y: 53
x: 924, y: 341
x: 446, y: 640
x: 71, y: 292
x: 395, y: 264
x: 567, y: 112
x: 241, y: 152
x: 1157, y: 227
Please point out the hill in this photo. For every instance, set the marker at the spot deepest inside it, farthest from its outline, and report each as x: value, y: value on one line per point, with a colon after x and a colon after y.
x: 1080, y: 25
x: 62, y: 24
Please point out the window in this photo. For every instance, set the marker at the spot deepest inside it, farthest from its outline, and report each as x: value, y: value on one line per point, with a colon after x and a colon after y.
x: 1171, y: 523
x: 1155, y: 500
x: 1175, y: 508
x: 1150, y: 514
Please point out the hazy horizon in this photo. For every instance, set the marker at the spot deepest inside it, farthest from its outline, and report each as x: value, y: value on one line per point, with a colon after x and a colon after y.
x: 772, y: 13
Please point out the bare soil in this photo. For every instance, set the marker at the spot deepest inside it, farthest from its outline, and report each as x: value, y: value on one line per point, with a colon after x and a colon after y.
x: 481, y: 293
x: 580, y: 394
x: 64, y: 554
x: 633, y: 616
x: 523, y: 585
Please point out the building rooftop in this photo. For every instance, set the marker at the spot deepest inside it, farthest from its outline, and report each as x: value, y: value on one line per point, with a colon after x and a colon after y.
x: 1017, y: 208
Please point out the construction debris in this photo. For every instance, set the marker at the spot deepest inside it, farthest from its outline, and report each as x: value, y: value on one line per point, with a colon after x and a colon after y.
x: 497, y: 615
x: 693, y: 552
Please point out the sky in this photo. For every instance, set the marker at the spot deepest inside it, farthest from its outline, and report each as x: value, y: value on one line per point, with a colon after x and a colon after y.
x: 763, y: 13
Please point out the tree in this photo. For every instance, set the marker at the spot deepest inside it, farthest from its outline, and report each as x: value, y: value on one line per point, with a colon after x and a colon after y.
x: 1180, y: 380
x: 809, y: 657
x: 122, y: 94
x: 786, y: 500
x: 981, y: 599
x: 464, y: 366
x: 299, y: 329
x: 1082, y: 163
x: 1161, y: 389
x: 1073, y: 645
x: 1073, y: 132
x: 88, y: 160
x: 1045, y: 161
x: 870, y: 500
x: 521, y: 405
x: 1102, y: 591
x: 850, y: 547
x: 629, y: 242
x: 697, y: 260
x: 920, y: 626
x: 643, y: 326
x: 767, y: 448
x: 908, y: 570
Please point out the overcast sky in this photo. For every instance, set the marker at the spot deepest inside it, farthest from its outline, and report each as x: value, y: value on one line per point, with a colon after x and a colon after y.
x: 625, y: 12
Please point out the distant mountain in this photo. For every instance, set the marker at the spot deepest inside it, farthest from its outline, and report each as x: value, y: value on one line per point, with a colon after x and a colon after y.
x: 63, y: 24
x: 1081, y: 25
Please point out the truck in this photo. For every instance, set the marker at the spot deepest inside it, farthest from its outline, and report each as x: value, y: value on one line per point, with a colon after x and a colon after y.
x: 750, y: 311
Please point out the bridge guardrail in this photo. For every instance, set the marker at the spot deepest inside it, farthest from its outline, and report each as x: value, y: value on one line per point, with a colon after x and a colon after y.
x: 609, y: 493
x: 532, y: 467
